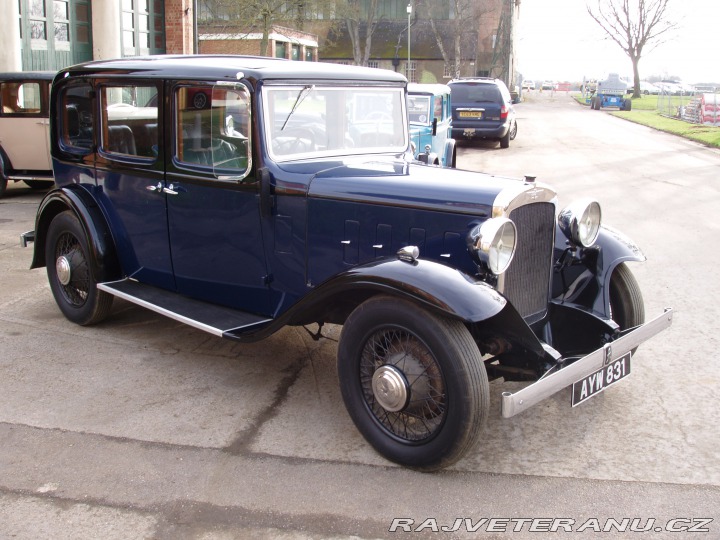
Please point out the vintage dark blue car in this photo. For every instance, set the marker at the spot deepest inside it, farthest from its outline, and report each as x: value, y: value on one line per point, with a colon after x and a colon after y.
x: 239, y: 195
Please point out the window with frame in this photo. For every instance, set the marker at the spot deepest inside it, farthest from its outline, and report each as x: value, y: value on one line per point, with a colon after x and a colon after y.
x: 410, y: 71
x: 76, y: 118
x: 212, y: 129
x: 21, y: 98
x: 130, y: 120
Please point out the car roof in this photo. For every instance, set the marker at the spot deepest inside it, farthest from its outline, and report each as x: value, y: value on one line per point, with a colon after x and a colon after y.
x: 27, y: 75
x: 428, y: 88
x: 231, y: 68
x: 489, y: 80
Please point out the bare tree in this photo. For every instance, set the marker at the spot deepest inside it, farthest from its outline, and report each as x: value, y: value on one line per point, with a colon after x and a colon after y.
x: 637, y: 26
x: 360, y: 24
x: 459, y: 19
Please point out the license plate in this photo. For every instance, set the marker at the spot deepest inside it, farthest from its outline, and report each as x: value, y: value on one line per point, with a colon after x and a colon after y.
x: 471, y: 114
x: 593, y: 384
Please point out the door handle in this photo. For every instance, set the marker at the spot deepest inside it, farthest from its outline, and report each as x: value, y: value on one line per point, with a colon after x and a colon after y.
x: 158, y: 188
x: 171, y: 190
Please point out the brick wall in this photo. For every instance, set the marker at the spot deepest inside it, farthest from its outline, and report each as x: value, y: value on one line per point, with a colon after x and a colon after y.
x: 179, y: 38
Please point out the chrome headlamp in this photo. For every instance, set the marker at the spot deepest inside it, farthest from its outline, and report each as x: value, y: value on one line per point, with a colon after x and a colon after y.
x: 494, y: 243
x: 580, y: 222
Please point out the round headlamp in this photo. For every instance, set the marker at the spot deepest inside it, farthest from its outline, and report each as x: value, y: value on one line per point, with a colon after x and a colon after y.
x: 580, y: 222
x: 494, y: 243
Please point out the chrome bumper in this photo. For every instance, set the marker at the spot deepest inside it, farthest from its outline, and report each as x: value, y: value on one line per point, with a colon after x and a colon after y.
x: 515, y: 403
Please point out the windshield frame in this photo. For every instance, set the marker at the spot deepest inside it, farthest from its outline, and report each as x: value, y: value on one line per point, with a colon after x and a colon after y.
x: 325, y: 109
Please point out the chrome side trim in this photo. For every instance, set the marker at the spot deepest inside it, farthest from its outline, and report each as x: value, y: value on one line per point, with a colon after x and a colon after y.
x: 515, y: 403
x: 162, y: 311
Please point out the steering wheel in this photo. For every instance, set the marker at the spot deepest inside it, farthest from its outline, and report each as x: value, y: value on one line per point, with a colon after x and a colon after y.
x: 379, y: 116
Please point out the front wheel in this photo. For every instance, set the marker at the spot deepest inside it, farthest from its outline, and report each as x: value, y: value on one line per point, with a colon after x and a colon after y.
x: 73, y: 285
x: 413, y: 383
x: 626, y: 302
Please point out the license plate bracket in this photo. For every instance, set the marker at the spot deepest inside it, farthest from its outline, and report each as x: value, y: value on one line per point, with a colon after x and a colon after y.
x: 591, y: 385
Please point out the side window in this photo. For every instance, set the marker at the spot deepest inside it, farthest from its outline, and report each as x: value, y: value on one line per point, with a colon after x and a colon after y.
x: 21, y: 98
x: 212, y: 129
x: 130, y: 120
x: 75, y: 111
x: 438, y: 108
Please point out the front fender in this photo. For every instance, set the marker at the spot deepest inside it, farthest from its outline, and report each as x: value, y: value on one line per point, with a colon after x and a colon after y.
x: 433, y: 286
x: 588, y: 284
x: 103, y: 258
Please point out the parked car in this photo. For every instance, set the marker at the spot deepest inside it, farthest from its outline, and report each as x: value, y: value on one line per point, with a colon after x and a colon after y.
x: 528, y: 85
x: 482, y: 108
x: 548, y: 85
x: 431, y: 124
x: 648, y: 88
x: 24, y: 135
x: 258, y: 193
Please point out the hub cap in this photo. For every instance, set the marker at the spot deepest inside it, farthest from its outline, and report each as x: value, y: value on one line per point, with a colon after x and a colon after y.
x: 63, y: 270
x: 390, y: 388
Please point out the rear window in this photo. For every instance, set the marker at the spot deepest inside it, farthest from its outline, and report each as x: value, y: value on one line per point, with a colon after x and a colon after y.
x: 471, y: 92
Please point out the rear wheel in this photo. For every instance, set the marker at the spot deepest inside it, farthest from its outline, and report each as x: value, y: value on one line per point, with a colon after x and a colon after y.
x: 413, y: 383
x: 73, y: 285
x: 505, y: 141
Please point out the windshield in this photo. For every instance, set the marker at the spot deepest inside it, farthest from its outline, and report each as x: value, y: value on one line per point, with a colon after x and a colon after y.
x: 419, y: 109
x: 308, y: 121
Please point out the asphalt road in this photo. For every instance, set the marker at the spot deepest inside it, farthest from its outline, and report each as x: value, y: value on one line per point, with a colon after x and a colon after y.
x: 143, y: 428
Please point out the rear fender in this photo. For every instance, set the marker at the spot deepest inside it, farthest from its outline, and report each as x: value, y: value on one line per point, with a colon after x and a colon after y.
x: 103, y: 257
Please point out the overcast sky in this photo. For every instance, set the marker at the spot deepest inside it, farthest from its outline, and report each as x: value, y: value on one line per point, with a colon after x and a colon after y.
x: 558, y: 40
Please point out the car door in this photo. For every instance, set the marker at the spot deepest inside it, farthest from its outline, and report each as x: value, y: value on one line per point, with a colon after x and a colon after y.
x: 130, y: 173
x: 24, y: 132
x: 213, y: 201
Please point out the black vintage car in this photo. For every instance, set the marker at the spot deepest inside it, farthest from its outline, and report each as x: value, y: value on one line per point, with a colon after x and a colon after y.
x: 239, y: 195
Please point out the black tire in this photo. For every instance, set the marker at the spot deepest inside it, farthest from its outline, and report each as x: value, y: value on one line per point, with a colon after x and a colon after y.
x: 71, y: 280
x: 443, y: 399
x: 505, y: 141
x: 628, y: 105
x: 626, y: 301
x: 3, y: 178
x: 38, y: 184
x: 513, y: 131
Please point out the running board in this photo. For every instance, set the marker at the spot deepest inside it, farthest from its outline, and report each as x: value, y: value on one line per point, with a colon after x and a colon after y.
x: 217, y: 320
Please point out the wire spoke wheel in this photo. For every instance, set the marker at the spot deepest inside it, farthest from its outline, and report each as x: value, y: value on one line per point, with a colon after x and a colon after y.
x: 69, y: 254
x: 420, y: 384
x: 69, y: 268
x: 413, y: 382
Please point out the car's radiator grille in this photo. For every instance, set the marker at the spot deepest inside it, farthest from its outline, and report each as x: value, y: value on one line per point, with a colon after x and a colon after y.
x: 527, y: 281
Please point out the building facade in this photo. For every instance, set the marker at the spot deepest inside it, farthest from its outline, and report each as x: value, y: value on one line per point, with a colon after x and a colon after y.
x: 52, y: 34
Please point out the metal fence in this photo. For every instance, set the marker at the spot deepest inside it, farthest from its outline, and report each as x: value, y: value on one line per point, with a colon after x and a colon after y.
x: 693, y: 107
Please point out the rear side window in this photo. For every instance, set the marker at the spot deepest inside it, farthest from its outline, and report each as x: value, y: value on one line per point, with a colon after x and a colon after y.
x: 212, y: 129
x: 75, y: 112
x: 130, y: 120
x: 475, y: 93
x: 21, y: 98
